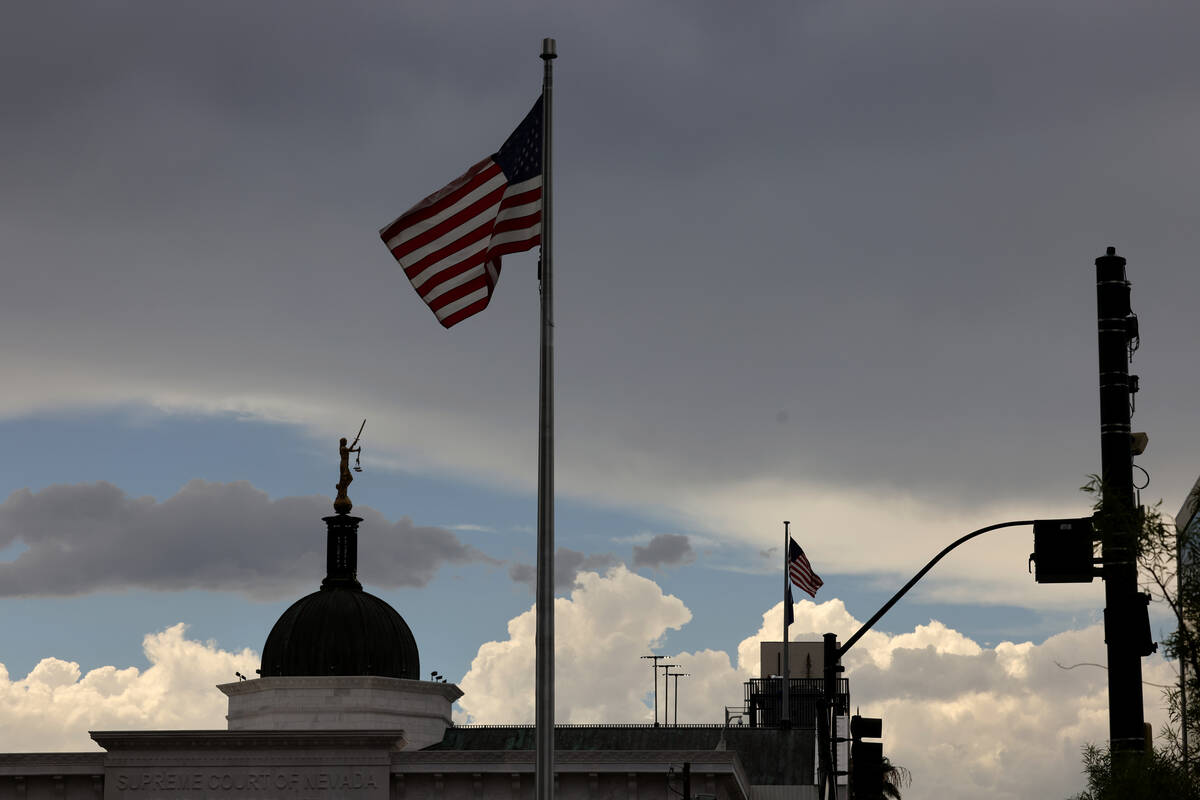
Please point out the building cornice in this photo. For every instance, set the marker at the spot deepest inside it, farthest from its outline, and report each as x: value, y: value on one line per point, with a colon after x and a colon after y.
x: 118, y: 741
x: 447, y: 690
x: 12, y: 764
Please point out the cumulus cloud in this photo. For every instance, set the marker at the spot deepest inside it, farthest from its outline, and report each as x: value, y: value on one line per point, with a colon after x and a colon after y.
x: 55, y: 705
x: 664, y: 550
x: 568, y: 564
x: 970, y: 721
x: 601, y: 629
x: 223, y: 536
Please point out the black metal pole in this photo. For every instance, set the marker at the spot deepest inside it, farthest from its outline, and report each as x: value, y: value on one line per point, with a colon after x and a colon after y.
x: 829, y: 713
x: 1115, y: 327
x: 785, y: 708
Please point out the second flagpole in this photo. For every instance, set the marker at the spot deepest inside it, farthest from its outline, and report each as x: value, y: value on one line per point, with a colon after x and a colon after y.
x: 785, y: 715
x: 544, y: 637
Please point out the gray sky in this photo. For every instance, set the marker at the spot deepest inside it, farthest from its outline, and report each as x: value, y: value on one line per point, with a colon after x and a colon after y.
x: 828, y: 262
x: 91, y: 538
x: 829, y: 250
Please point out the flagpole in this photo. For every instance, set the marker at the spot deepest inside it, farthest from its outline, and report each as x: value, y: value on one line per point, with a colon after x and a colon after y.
x: 544, y: 668
x: 785, y: 716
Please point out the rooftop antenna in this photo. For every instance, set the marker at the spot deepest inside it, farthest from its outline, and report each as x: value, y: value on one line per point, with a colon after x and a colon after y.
x: 654, y: 667
x: 677, y: 676
x: 240, y: 676
x: 666, y: 690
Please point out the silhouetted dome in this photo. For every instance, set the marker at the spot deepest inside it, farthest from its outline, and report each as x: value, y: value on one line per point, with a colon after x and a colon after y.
x: 341, y: 631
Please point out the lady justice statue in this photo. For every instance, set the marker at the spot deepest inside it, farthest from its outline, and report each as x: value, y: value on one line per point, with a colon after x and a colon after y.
x: 342, y: 504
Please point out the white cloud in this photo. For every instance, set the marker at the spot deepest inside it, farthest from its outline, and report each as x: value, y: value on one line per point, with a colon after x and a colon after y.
x: 55, y: 705
x: 970, y: 721
x: 601, y: 630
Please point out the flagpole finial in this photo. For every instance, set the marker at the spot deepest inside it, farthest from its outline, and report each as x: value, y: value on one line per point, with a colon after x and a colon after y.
x: 549, y: 49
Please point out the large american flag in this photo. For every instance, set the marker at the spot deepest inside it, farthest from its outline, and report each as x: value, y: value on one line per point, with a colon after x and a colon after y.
x: 800, y: 571
x: 450, y: 243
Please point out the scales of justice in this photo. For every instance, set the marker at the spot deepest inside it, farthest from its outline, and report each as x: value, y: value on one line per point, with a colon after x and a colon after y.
x: 342, y: 504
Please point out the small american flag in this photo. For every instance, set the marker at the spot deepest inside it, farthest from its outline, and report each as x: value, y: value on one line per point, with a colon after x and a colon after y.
x: 450, y: 243
x: 800, y: 571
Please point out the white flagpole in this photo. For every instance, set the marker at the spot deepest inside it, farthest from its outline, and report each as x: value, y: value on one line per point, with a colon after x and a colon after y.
x: 785, y: 715
x: 544, y: 668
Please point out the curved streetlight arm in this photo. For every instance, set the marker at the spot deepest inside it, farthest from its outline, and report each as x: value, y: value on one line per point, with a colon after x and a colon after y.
x: 827, y: 734
x: 841, y: 651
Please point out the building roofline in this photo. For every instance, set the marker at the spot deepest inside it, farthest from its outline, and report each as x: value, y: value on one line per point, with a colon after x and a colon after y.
x: 718, y: 762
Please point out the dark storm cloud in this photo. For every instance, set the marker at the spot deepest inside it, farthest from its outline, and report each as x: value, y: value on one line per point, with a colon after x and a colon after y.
x: 225, y: 537
x: 664, y: 550
x: 567, y: 566
x: 845, y: 244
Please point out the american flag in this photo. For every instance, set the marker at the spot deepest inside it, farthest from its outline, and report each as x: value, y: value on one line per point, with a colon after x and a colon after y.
x: 450, y: 243
x: 800, y: 571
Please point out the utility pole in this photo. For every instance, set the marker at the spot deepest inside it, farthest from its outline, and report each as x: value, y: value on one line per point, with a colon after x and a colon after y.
x: 1117, y: 328
x: 654, y: 668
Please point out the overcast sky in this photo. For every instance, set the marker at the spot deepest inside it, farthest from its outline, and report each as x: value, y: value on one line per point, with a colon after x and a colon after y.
x: 825, y: 262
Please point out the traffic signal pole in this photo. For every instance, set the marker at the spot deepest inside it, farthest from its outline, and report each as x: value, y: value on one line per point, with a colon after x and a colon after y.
x: 827, y: 724
x: 1117, y: 327
x: 1118, y: 521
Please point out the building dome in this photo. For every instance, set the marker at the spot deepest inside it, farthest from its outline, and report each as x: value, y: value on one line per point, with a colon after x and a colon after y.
x: 340, y: 629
